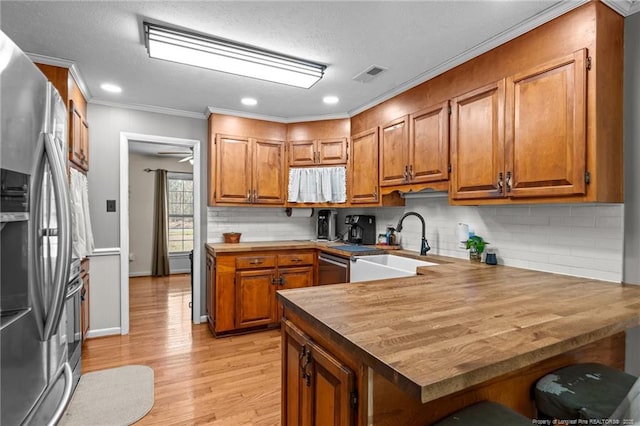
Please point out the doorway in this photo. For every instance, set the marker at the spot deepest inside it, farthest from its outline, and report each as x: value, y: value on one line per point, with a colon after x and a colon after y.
x: 159, y: 144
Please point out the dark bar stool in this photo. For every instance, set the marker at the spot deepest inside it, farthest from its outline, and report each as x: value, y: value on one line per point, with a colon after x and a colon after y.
x: 487, y: 413
x: 582, y: 391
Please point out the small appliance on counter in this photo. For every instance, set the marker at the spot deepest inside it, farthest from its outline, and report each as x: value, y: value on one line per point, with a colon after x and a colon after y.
x: 327, y: 225
x: 362, y: 229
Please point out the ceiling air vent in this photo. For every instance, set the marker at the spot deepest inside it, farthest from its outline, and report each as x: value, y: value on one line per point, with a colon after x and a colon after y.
x: 370, y: 73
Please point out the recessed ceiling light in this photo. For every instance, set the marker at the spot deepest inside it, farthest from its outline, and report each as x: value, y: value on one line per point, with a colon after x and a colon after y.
x: 249, y: 101
x: 108, y: 87
x: 330, y: 99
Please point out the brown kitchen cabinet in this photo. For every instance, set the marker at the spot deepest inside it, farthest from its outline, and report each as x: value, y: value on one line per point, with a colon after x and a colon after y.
x: 317, y: 389
x: 85, y: 298
x: 415, y: 148
x: 78, y: 137
x: 524, y: 136
x: 241, y: 287
x: 249, y: 170
x: 363, y: 167
x: 78, y: 140
x: 319, y: 152
x: 477, y: 143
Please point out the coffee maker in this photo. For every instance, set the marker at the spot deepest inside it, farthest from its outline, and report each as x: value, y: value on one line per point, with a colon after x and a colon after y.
x: 327, y: 225
x: 362, y: 229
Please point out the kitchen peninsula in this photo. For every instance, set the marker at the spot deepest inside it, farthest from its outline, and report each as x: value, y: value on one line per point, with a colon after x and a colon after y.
x: 413, y: 350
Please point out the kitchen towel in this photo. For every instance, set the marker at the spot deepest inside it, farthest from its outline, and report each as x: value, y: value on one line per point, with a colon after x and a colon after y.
x: 82, y: 234
x: 318, y: 185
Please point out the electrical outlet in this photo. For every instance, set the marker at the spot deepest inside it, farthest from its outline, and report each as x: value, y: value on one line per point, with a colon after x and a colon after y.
x: 111, y: 205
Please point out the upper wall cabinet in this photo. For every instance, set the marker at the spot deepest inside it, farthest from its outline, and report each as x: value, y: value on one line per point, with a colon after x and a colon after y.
x: 248, y: 170
x: 363, y: 168
x: 415, y: 148
x: 524, y: 136
x: 78, y: 141
x: 320, y: 152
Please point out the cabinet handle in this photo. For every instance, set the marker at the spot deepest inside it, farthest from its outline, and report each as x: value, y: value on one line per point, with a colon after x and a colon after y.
x: 500, y: 183
x: 281, y: 281
x: 274, y: 281
x: 296, y: 259
x: 411, y: 172
x: 508, y: 182
x: 255, y: 195
x: 406, y: 173
x: 249, y: 195
x: 315, y: 157
x: 257, y: 261
x: 375, y: 193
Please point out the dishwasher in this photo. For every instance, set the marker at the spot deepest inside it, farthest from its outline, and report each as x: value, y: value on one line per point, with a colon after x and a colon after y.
x: 332, y: 269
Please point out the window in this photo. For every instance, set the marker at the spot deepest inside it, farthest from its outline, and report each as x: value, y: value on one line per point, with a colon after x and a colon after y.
x: 180, y: 195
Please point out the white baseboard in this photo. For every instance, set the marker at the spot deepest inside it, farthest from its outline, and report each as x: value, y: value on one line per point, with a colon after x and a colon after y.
x: 139, y: 274
x: 113, y: 331
x: 181, y: 271
x: 203, y: 319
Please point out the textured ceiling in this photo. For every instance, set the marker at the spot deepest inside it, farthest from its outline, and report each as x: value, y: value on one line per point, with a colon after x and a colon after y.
x: 413, y: 39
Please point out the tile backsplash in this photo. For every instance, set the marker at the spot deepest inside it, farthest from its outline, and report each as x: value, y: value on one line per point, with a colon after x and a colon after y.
x: 258, y: 224
x: 574, y: 239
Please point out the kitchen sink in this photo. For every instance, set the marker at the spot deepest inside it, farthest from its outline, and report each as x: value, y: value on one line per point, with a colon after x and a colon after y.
x: 384, y: 266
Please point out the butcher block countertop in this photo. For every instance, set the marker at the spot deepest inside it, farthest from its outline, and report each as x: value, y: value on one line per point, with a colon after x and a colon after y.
x: 461, y: 323
x: 327, y: 247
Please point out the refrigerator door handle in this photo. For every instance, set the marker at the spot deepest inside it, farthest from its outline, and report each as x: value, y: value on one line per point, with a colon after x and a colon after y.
x: 36, y: 295
x: 66, y: 396
x: 61, y: 275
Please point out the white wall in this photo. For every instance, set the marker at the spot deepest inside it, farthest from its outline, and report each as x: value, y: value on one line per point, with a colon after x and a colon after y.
x: 141, y: 200
x: 259, y: 224
x: 631, y: 175
x: 105, y: 125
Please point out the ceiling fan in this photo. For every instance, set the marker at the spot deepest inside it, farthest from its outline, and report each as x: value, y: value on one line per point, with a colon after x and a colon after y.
x: 188, y: 155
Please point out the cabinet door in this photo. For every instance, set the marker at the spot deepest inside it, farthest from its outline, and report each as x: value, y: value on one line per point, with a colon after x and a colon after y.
x: 394, y: 152
x: 302, y: 153
x: 75, y: 135
x: 255, y: 297
x: 293, y: 277
x: 363, y: 181
x: 233, y: 169
x: 477, y: 143
x: 268, y: 172
x: 331, y: 389
x: 429, y: 144
x: 332, y: 151
x: 546, y: 129
x: 293, y: 386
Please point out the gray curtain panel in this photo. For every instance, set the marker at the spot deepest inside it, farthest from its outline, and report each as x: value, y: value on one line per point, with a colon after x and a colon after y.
x: 160, y: 258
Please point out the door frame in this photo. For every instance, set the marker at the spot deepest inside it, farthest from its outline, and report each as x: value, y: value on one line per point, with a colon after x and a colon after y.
x: 125, y: 139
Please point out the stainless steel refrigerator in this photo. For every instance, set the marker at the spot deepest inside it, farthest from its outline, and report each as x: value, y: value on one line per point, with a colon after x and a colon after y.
x: 35, y: 244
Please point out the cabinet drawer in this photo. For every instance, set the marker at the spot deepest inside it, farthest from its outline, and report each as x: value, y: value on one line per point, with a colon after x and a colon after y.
x: 257, y: 261
x: 295, y: 259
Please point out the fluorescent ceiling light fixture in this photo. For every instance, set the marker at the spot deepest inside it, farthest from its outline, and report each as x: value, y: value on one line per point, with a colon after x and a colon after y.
x: 249, y: 101
x: 108, y: 87
x: 330, y: 99
x: 222, y: 55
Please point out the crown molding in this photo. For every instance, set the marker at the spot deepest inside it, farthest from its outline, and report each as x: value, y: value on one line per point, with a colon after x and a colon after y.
x: 63, y: 63
x: 286, y: 120
x: 151, y: 108
x: 624, y: 7
x: 517, y: 30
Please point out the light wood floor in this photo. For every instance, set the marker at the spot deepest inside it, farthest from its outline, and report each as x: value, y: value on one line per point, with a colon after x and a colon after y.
x: 231, y: 381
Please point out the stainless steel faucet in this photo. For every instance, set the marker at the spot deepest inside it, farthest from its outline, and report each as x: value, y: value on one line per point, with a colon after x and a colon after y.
x: 424, y: 247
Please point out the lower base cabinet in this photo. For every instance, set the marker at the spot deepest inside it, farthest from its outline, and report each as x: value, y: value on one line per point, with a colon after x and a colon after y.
x: 241, y: 287
x: 317, y: 389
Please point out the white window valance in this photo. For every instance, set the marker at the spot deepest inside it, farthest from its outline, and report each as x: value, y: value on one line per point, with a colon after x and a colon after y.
x: 318, y: 185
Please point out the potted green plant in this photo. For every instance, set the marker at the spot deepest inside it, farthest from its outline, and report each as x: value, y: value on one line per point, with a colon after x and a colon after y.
x: 476, y: 245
